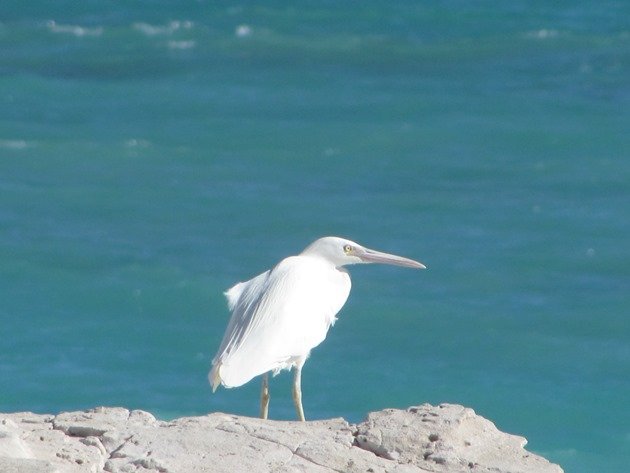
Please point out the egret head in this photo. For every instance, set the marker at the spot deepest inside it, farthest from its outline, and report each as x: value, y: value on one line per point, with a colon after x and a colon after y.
x: 341, y: 252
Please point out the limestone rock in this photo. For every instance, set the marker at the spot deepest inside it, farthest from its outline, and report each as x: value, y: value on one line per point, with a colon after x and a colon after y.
x: 447, y: 438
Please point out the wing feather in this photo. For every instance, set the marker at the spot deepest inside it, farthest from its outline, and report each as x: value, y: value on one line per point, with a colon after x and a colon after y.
x: 277, y: 318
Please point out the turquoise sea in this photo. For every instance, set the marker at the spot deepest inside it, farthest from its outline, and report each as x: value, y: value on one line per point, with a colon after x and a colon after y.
x: 152, y: 154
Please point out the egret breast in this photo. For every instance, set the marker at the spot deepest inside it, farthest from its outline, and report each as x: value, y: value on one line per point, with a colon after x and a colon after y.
x: 313, y: 293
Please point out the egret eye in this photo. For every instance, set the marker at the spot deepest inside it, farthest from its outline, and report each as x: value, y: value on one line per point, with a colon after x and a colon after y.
x: 347, y: 249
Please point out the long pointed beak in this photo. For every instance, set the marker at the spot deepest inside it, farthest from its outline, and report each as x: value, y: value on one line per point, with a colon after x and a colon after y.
x: 372, y: 256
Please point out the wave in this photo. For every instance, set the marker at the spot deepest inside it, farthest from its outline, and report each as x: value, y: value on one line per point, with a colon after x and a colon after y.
x: 168, y: 29
x: 181, y: 44
x: 137, y: 143
x: 543, y: 34
x: 243, y: 31
x: 15, y: 144
x: 74, y: 29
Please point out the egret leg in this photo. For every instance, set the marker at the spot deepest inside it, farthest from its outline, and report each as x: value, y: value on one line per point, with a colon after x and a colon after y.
x: 297, y: 393
x: 264, y: 397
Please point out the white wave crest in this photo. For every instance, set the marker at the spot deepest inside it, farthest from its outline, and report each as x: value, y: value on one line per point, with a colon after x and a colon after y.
x: 73, y: 29
x: 543, y: 34
x: 15, y: 144
x: 242, y: 31
x: 168, y: 29
x: 181, y: 44
x: 137, y: 143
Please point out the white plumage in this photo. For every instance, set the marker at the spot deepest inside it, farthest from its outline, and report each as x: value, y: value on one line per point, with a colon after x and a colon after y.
x: 279, y: 316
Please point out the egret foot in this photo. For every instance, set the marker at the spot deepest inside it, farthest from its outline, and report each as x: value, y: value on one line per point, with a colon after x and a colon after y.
x: 264, y: 397
x: 297, y: 393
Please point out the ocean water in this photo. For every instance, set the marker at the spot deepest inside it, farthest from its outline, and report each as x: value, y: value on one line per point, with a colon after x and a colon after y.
x: 153, y: 154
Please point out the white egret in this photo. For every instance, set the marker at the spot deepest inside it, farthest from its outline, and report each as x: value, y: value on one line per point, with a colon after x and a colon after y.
x: 279, y: 316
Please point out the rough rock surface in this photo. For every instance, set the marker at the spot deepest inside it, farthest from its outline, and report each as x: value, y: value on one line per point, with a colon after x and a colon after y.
x: 445, y: 438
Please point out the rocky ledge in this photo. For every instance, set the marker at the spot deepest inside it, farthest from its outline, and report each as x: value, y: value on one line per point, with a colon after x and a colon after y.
x: 444, y: 438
